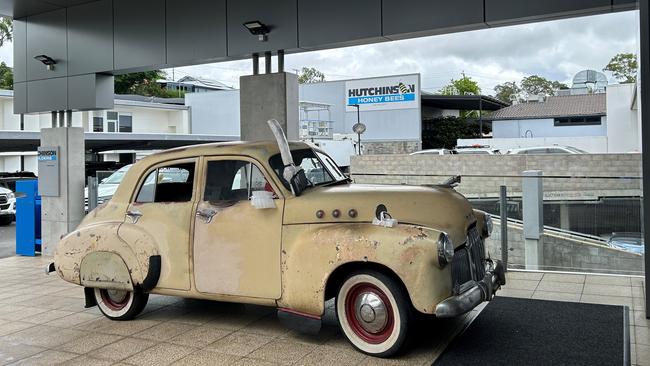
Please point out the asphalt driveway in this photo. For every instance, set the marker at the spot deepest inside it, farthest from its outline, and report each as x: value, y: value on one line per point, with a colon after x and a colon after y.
x: 8, y: 240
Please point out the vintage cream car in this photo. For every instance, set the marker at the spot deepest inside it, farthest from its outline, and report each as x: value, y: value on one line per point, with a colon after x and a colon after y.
x: 253, y: 223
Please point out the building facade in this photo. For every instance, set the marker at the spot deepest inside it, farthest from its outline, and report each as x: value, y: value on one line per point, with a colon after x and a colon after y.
x: 389, y: 107
x: 132, y: 116
x: 597, y: 123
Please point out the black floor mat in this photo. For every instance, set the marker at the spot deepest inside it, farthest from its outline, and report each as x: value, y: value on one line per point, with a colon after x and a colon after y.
x: 511, y: 331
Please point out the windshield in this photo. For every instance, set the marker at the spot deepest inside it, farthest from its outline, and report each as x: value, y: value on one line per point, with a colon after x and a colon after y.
x: 117, y: 177
x: 319, y: 168
x: 576, y: 150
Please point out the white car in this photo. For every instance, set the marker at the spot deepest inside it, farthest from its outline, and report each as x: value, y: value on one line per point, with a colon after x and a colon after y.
x: 7, y: 206
x: 107, y: 187
x: 477, y: 151
x: 554, y: 149
x: 434, y: 152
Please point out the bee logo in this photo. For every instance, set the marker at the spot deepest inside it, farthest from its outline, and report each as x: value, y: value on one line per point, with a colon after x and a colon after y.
x: 403, y: 88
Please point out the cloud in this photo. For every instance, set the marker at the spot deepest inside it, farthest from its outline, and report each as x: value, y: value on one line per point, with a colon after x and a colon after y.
x: 556, y: 50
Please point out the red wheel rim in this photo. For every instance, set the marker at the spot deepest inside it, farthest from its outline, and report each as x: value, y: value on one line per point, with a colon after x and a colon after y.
x: 355, y: 323
x: 115, y: 304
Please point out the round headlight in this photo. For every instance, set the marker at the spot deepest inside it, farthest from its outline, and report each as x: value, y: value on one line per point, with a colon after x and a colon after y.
x: 488, y: 225
x: 11, y: 195
x: 445, y: 250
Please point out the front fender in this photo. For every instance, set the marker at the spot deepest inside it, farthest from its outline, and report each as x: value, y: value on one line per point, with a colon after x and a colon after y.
x: 312, y: 252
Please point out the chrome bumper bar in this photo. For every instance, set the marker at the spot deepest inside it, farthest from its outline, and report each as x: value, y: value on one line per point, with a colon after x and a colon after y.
x: 482, y: 290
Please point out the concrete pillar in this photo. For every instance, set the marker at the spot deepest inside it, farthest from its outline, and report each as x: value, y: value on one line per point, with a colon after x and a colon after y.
x: 264, y: 97
x: 533, y: 200
x: 565, y: 222
x: 61, y: 213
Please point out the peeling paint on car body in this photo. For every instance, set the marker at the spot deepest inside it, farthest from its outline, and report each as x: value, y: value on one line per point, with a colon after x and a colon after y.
x: 289, y: 254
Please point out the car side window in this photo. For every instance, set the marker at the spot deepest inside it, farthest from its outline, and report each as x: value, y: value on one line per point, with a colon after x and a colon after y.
x: 172, y: 183
x: 233, y: 180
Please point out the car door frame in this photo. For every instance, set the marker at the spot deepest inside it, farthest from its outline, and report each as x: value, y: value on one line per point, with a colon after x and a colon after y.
x: 202, y: 180
x: 193, y: 200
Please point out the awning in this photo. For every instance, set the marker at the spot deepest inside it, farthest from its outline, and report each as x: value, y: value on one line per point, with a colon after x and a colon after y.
x: 463, y: 102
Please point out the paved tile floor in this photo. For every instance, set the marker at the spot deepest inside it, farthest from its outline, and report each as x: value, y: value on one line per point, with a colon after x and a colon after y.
x: 43, y: 322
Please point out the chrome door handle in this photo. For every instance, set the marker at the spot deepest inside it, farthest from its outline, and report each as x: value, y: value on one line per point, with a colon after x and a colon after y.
x: 206, y: 215
x: 134, y: 215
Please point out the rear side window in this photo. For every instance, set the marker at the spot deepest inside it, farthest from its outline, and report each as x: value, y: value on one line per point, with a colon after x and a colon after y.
x: 173, y: 183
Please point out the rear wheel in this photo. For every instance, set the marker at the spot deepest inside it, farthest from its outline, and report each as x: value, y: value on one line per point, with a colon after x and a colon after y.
x: 374, y: 313
x: 120, y: 304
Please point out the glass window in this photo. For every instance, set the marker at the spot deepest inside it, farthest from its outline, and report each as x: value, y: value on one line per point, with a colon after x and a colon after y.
x: 125, y: 124
x: 310, y: 163
x: 112, y: 116
x: 98, y: 124
x: 233, y: 180
x: 111, y: 126
x: 173, y: 183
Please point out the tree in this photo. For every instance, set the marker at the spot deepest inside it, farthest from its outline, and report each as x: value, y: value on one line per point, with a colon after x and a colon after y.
x: 536, y: 85
x: 624, y: 67
x: 6, y: 77
x: 6, y: 30
x: 507, y: 91
x: 462, y: 86
x: 444, y: 131
x: 310, y: 75
x: 143, y: 83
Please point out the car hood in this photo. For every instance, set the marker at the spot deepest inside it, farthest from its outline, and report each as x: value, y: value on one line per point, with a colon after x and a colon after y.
x: 438, y: 208
x: 4, y: 190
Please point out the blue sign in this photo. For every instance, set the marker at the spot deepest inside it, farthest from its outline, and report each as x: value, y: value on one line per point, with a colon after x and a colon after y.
x: 391, y: 98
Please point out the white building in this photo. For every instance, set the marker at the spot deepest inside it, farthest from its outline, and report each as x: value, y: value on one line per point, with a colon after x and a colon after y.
x: 133, y: 120
x: 597, y: 123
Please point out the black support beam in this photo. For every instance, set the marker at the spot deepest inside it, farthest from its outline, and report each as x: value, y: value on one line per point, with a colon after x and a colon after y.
x: 644, y: 26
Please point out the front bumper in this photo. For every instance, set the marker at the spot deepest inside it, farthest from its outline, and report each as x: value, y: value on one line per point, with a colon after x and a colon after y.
x: 8, y: 208
x: 482, y: 290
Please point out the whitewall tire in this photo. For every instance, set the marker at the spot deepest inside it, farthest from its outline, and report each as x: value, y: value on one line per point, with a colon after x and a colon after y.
x: 120, y: 304
x: 373, y: 312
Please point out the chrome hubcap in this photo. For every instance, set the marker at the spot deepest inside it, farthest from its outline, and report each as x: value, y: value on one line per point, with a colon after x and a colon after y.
x: 371, y: 312
x: 117, y: 296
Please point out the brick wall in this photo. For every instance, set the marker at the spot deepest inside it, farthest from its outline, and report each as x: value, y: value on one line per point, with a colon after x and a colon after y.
x: 390, y: 147
x: 566, y: 253
x: 401, y: 168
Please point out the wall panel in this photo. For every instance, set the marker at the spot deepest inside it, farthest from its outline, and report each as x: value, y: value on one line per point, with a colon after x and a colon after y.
x: 195, y: 33
x: 46, y: 35
x: 90, y: 37
x: 139, y: 28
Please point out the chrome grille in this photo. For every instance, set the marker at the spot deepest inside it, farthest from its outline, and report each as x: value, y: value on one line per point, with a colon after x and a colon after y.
x: 468, y: 263
x: 3, y: 199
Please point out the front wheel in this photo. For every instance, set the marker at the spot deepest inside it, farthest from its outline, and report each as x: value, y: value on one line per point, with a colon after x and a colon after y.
x: 120, y: 304
x: 374, y: 313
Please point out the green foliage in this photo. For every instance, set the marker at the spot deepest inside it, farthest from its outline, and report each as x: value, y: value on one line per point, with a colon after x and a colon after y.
x: 443, y: 132
x: 6, y: 77
x: 6, y: 30
x: 144, y: 83
x: 310, y: 75
x: 462, y: 86
x: 504, y: 92
x: 624, y: 67
x: 535, y: 85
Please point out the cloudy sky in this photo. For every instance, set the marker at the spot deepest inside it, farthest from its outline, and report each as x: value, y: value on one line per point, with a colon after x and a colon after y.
x: 556, y: 50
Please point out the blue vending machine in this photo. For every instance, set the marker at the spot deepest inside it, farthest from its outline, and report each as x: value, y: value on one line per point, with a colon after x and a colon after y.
x: 28, y: 218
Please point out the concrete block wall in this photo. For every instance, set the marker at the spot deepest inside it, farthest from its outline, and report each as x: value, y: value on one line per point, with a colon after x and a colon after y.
x: 504, y: 170
x: 390, y: 147
x: 566, y: 253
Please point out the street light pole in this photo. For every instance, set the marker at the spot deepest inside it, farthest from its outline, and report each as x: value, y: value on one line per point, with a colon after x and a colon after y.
x: 358, y: 127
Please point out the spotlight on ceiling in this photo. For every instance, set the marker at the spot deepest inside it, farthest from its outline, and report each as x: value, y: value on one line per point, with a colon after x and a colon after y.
x: 48, y: 61
x: 258, y: 29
